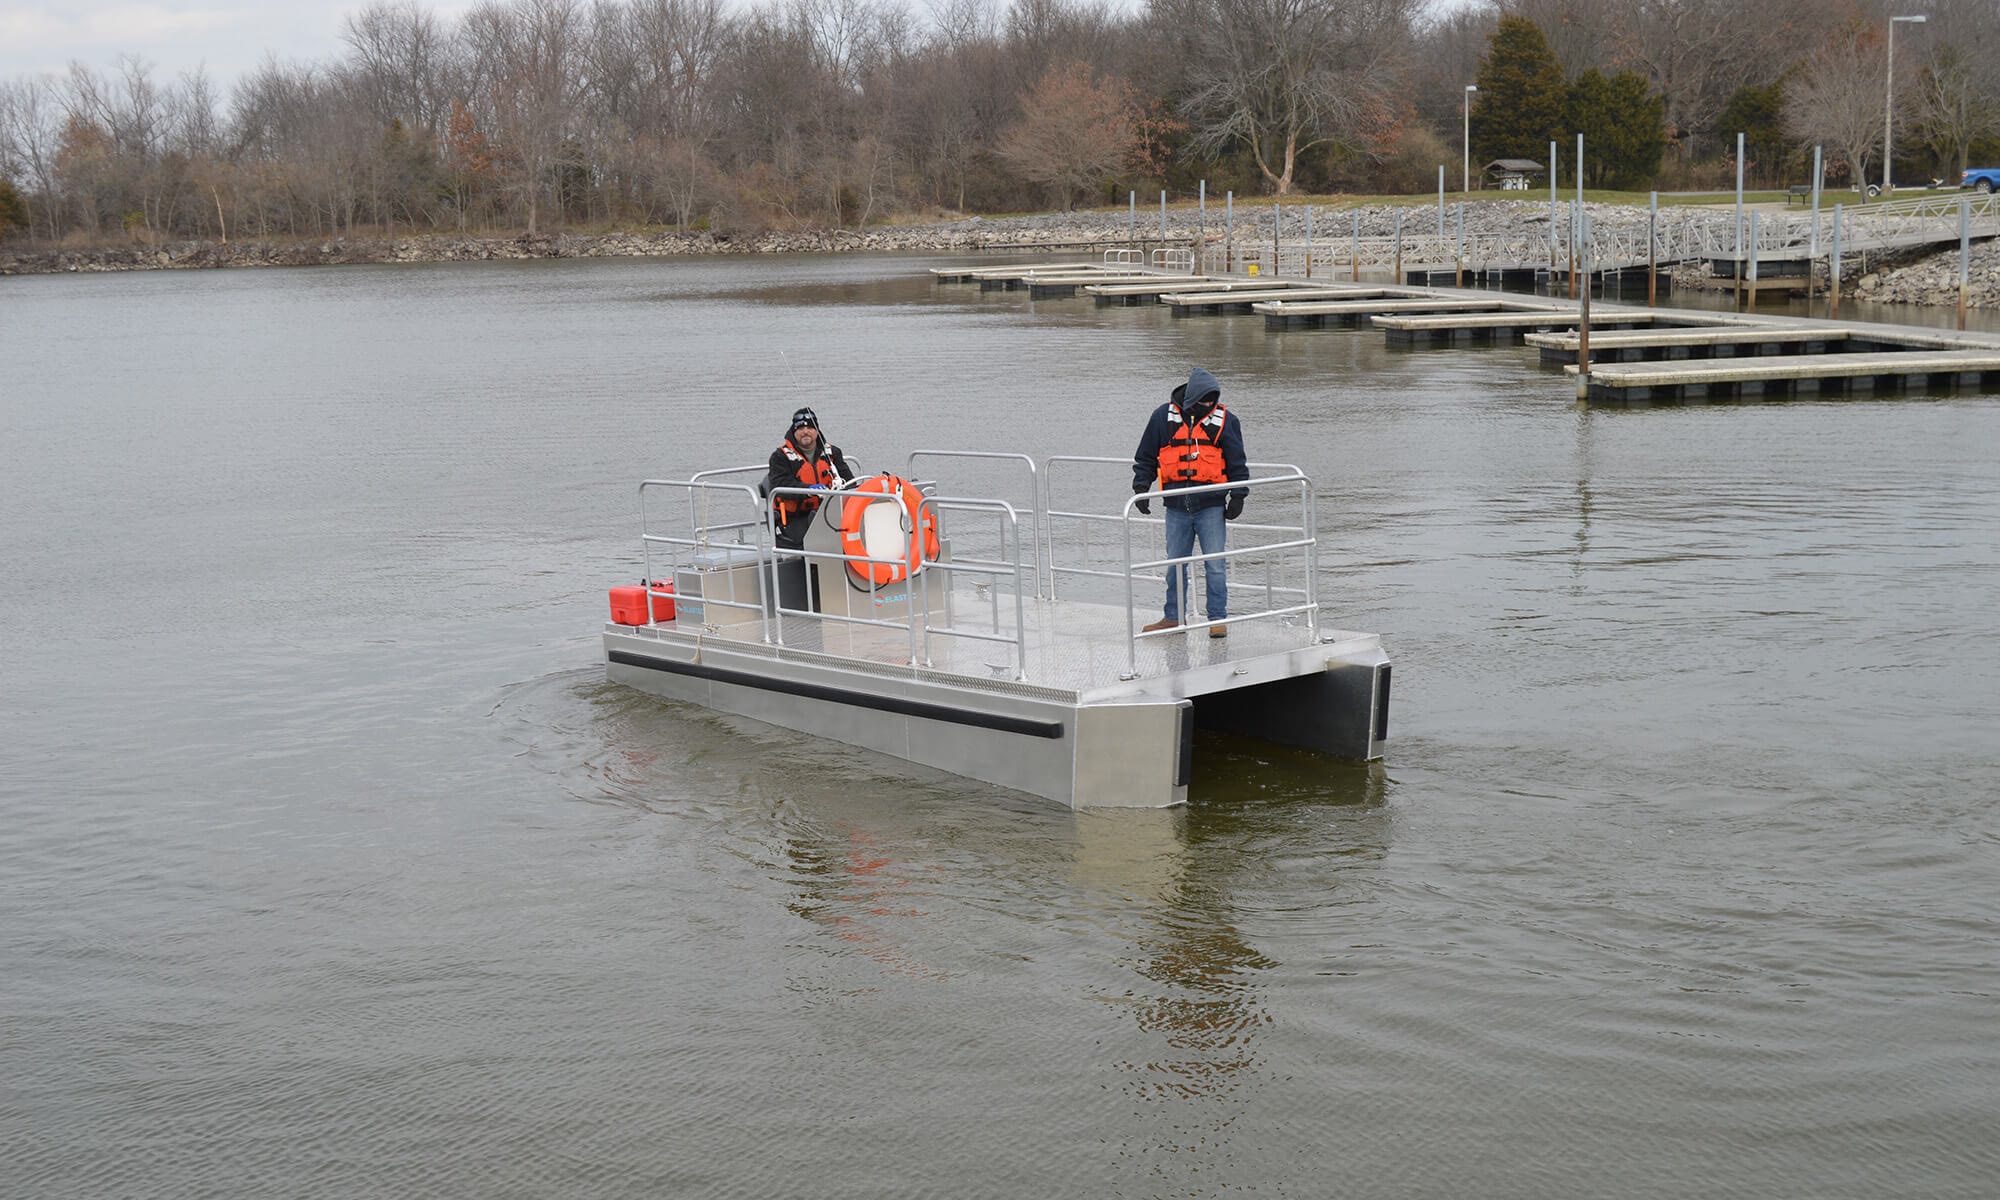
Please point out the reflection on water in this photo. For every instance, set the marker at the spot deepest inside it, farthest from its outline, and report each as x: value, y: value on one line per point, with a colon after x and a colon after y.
x: 860, y: 891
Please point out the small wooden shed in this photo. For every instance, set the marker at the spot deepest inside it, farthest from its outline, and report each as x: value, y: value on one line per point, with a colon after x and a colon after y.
x: 1512, y: 174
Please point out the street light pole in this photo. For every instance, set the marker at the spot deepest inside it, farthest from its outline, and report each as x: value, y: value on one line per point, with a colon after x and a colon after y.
x: 1465, y: 181
x: 1889, y: 101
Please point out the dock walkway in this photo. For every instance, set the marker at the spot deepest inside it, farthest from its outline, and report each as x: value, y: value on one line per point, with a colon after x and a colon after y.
x: 1793, y: 374
x: 1509, y: 326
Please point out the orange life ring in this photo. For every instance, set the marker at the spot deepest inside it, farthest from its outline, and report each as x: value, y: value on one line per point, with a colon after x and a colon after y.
x: 887, y: 525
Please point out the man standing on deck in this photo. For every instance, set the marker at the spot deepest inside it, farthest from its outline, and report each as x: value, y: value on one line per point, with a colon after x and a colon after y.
x: 1190, y: 441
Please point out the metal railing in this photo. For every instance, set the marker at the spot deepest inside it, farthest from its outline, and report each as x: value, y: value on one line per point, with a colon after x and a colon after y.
x: 1676, y: 236
x: 1032, y: 499
x: 1276, y: 540
x: 700, y: 536
x: 1306, y: 541
x: 698, y: 515
x: 996, y: 570
x: 911, y: 560
x: 1036, y: 548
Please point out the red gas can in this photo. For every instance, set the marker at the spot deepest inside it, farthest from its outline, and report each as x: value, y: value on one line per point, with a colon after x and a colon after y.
x: 628, y: 604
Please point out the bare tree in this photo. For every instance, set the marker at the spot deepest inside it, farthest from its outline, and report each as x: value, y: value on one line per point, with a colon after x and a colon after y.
x: 1581, y: 33
x: 532, y: 56
x: 1698, y: 53
x: 681, y: 45
x: 1074, y: 132
x: 1958, y: 88
x: 399, y: 55
x: 1279, y: 77
x: 1836, y: 97
x: 31, y: 122
x: 1444, y: 58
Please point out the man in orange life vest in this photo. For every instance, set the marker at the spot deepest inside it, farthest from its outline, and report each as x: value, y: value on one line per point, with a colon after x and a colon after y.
x: 805, y: 459
x: 1193, y: 440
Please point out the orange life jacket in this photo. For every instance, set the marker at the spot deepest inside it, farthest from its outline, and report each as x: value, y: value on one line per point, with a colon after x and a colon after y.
x: 1193, y: 453
x: 815, y: 471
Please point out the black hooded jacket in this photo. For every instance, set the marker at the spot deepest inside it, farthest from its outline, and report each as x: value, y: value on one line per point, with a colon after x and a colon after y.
x: 784, y: 473
x: 1146, y: 460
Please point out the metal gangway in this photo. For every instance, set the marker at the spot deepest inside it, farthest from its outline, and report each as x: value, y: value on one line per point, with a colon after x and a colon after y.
x: 1668, y: 237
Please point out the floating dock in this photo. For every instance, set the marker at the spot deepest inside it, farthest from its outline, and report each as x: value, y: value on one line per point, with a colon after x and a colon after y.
x: 1698, y: 353
x: 1508, y: 326
x: 1793, y: 374
x: 1152, y: 290
x: 1012, y: 651
x: 1657, y: 345
x: 1044, y: 286
x: 1192, y: 303
x: 975, y: 274
x: 1285, y: 314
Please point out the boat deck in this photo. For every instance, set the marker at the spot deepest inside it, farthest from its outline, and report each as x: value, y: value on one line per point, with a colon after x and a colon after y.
x: 1076, y: 650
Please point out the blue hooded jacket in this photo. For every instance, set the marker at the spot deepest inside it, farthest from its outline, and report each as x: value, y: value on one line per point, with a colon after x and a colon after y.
x: 1205, y: 393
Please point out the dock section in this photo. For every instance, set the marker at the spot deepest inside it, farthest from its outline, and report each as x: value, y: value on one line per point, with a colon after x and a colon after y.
x: 1509, y: 326
x: 1794, y: 374
x: 1748, y: 340
x: 1667, y: 345
x: 1286, y: 314
x: 1043, y: 286
x: 1189, y: 303
x: 974, y: 274
x: 1637, y: 355
x: 1149, y: 291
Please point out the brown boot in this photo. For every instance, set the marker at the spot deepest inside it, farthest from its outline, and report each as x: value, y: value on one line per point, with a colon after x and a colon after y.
x: 1218, y: 631
x: 1162, y: 623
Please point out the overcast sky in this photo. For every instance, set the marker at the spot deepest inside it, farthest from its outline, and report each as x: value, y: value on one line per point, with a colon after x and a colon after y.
x: 228, y: 36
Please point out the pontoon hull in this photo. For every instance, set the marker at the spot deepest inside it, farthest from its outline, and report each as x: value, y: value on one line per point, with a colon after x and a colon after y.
x: 1129, y: 747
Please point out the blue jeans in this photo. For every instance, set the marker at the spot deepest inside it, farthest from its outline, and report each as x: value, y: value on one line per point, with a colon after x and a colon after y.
x: 1182, y: 530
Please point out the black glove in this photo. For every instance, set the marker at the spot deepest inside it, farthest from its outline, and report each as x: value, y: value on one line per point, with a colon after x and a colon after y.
x: 1234, y: 508
x: 1144, y: 506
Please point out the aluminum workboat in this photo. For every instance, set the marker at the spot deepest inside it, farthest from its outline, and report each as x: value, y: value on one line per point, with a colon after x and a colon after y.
x: 984, y: 613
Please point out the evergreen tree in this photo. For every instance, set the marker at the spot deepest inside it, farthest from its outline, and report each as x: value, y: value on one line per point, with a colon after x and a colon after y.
x: 13, y: 209
x: 1758, y: 113
x: 1622, y: 127
x: 1522, y: 100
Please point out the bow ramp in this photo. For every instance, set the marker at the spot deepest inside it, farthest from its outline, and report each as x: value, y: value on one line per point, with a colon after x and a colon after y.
x: 989, y: 620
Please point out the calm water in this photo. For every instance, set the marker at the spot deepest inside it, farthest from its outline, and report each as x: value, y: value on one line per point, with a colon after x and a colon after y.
x: 330, y: 866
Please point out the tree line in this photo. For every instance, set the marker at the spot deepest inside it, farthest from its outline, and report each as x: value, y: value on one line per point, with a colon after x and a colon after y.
x: 542, y: 114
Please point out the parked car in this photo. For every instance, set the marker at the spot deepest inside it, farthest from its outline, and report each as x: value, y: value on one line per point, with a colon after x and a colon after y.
x: 1986, y: 179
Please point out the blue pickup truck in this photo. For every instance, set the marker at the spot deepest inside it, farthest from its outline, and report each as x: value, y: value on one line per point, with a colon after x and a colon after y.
x: 1985, y: 179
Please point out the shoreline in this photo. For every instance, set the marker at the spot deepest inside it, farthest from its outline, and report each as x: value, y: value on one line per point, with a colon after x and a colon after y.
x: 1926, y: 280
x: 441, y: 248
